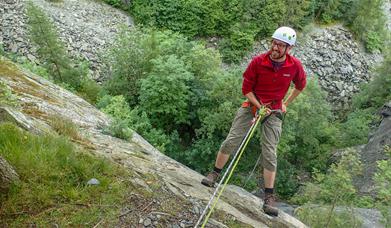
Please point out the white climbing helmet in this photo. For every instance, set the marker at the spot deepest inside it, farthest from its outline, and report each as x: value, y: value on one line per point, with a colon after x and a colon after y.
x: 285, y: 34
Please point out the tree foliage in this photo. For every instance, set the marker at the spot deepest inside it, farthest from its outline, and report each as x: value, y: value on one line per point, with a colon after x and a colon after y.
x: 383, y: 186
x: 182, y: 101
x: 366, y: 103
x: 54, y: 57
x: 323, y: 191
x: 308, y: 134
x: 50, y: 49
x: 7, y: 98
x: 165, y: 93
x: 368, y: 23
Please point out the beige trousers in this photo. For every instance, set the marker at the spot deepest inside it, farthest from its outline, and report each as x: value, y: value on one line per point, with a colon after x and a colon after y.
x: 271, y: 132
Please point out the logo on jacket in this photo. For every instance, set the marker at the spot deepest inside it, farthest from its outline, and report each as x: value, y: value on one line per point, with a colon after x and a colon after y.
x: 286, y: 75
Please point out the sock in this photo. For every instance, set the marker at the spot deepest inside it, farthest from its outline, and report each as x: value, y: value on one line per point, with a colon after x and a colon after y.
x: 217, y: 170
x: 269, y: 190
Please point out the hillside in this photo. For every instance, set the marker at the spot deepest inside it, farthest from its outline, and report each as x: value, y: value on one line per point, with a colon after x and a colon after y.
x: 141, y: 185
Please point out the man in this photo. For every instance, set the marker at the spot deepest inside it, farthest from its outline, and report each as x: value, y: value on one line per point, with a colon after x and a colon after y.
x: 265, y: 83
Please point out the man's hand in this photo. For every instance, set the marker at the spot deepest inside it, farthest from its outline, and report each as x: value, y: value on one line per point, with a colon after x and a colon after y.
x: 263, y: 110
x: 283, y: 107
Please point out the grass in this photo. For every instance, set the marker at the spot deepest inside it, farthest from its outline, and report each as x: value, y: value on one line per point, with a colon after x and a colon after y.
x: 52, y: 187
x: 64, y: 127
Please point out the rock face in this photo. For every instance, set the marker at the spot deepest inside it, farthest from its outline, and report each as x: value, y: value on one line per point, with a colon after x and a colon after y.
x: 387, y: 12
x: 332, y: 56
x: 86, y: 27
x: 374, y: 151
x: 39, y: 99
x: 7, y: 175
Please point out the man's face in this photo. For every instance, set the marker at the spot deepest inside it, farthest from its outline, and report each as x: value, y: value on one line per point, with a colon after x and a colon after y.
x: 278, y: 49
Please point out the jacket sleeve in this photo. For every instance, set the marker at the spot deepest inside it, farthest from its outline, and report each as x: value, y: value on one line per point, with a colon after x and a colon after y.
x: 249, y: 78
x: 300, y: 79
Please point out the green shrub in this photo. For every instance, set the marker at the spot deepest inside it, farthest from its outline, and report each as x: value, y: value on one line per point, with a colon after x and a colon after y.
x: 50, y: 49
x: 127, y: 60
x: 237, y: 22
x: 339, y: 176
x: 372, y: 96
x: 192, y: 18
x: 383, y: 186
x: 314, y: 216
x: 115, y: 3
x: 165, y: 93
x: 367, y: 22
x: 34, y: 68
x: 90, y: 90
x: 286, y: 184
x: 355, y: 130
x: 64, y: 127
x: 297, y: 13
x: 236, y: 45
x: 326, y: 11
x: 308, y: 132
x: 126, y: 120
x: 2, y: 52
x: 373, y: 41
x: 269, y: 17
x: 201, y: 155
x: 120, y: 129
x: 329, y: 191
x: 6, y: 96
x: 116, y: 107
x: 377, y: 92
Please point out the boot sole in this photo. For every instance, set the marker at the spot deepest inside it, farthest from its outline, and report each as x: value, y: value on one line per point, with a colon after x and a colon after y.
x: 207, y: 183
x: 271, y: 213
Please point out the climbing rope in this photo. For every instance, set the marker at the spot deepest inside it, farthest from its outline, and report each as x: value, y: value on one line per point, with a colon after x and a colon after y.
x: 231, y: 168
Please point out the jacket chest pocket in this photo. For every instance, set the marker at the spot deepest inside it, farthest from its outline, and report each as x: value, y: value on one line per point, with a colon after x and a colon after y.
x: 266, y: 77
x: 283, y: 78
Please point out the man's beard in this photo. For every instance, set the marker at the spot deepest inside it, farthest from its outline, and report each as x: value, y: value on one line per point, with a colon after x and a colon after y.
x: 276, y: 55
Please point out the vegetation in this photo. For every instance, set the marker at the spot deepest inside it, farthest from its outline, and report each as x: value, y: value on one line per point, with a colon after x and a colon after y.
x: 239, y: 23
x: 371, y: 97
x: 383, y: 186
x: 64, y: 127
x: 173, y: 92
x: 367, y: 22
x: 323, y: 192
x: 191, y: 125
x: 320, y: 198
x: 6, y: 96
x: 60, y: 68
x: 53, y: 182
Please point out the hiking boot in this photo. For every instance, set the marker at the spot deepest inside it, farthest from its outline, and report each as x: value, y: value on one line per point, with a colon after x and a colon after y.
x: 211, y: 179
x: 268, y: 205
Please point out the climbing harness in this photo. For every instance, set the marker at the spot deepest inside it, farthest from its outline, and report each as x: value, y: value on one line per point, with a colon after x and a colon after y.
x: 260, y: 115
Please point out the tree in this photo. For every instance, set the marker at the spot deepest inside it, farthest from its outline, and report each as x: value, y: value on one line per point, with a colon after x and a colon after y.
x: 165, y: 94
x: 308, y: 134
x: 329, y: 191
x: 368, y: 23
x: 50, y: 49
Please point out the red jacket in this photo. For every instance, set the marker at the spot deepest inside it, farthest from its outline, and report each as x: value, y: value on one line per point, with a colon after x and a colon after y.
x: 271, y: 86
